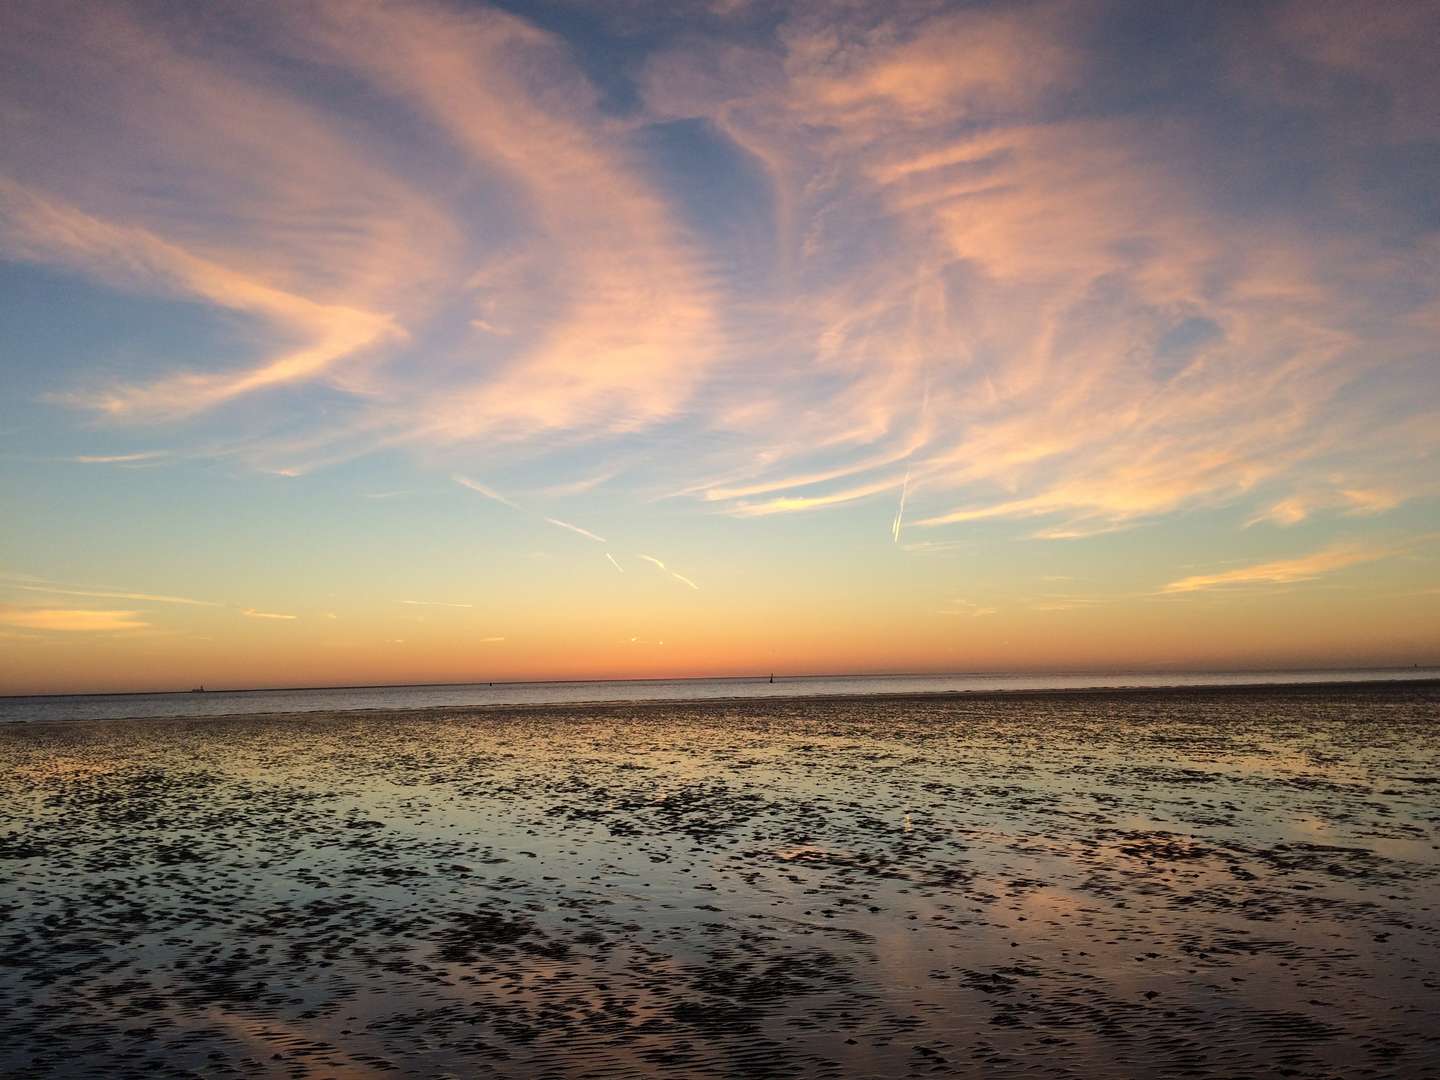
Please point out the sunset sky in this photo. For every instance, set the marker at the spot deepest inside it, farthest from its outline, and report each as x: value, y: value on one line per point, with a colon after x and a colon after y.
x: 389, y: 342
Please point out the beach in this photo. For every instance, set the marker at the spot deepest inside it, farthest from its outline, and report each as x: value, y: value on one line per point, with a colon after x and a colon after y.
x: 1203, y: 881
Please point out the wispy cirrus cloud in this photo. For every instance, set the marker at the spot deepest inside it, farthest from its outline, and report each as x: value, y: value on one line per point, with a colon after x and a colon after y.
x: 338, y: 259
x: 72, y: 620
x: 1353, y: 502
x: 789, y: 504
x: 581, y: 486
x: 1284, y: 571
x: 1059, y: 316
x: 43, y: 228
x: 1108, y: 335
x: 119, y: 459
x: 105, y: 594
x: 111, y: 594
x: 966, y: 608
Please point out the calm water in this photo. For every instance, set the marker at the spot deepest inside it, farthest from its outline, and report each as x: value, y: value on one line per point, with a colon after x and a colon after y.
x: 232, y: 702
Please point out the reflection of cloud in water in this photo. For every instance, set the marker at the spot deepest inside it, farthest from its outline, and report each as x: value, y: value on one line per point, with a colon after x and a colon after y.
x: 734, y: 887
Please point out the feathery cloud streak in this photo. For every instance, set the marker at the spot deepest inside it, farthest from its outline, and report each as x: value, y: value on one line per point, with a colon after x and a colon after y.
x: 1108, y: 329
x: 560, y: 250
x: 1283, y: 571
x: 71, y: 619
x: 110, y: 594
x: 1058, y: 315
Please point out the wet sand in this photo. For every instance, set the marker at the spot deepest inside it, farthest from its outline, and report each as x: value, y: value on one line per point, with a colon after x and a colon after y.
x: 1151, y: 884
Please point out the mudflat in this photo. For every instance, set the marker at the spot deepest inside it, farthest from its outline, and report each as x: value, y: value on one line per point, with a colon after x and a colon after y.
x: 1150, y: 884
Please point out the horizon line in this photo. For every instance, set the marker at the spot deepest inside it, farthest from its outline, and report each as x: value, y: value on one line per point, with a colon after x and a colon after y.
x: 736, y: 678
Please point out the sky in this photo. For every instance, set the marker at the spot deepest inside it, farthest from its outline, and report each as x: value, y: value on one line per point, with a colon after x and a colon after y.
x: 435, y: 341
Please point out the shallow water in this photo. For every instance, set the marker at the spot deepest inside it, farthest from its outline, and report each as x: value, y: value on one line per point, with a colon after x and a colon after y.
x: 50, y: 707
x: 1207, y: 882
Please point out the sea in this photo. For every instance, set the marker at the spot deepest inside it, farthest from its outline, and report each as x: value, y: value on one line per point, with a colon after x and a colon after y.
x: 212, y: 703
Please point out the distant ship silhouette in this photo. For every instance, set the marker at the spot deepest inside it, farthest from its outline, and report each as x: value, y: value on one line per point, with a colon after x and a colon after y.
x: 198, y: 690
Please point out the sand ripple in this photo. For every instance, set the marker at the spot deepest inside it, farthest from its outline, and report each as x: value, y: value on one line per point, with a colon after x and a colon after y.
x: 1142, y: 885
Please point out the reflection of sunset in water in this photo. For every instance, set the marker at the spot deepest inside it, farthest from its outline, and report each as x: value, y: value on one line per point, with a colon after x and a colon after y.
x: 1094, y: 882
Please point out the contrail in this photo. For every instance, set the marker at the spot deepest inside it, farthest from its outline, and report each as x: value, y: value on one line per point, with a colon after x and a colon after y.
x: 678, y: 577
x: 900, y: 513
x: 491, y: 493
x: 577, y: 529
x: 614, y: 563
x: 488, y: 492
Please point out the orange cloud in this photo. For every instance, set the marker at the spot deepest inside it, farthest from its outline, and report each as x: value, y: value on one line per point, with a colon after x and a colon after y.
x: 41, y: 228
x: 624, y: 292
x: 1053, y: 318
x: 309, y: 232
x: 71, y: 619
x: 966, y: 62
x: 1283, y: 571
